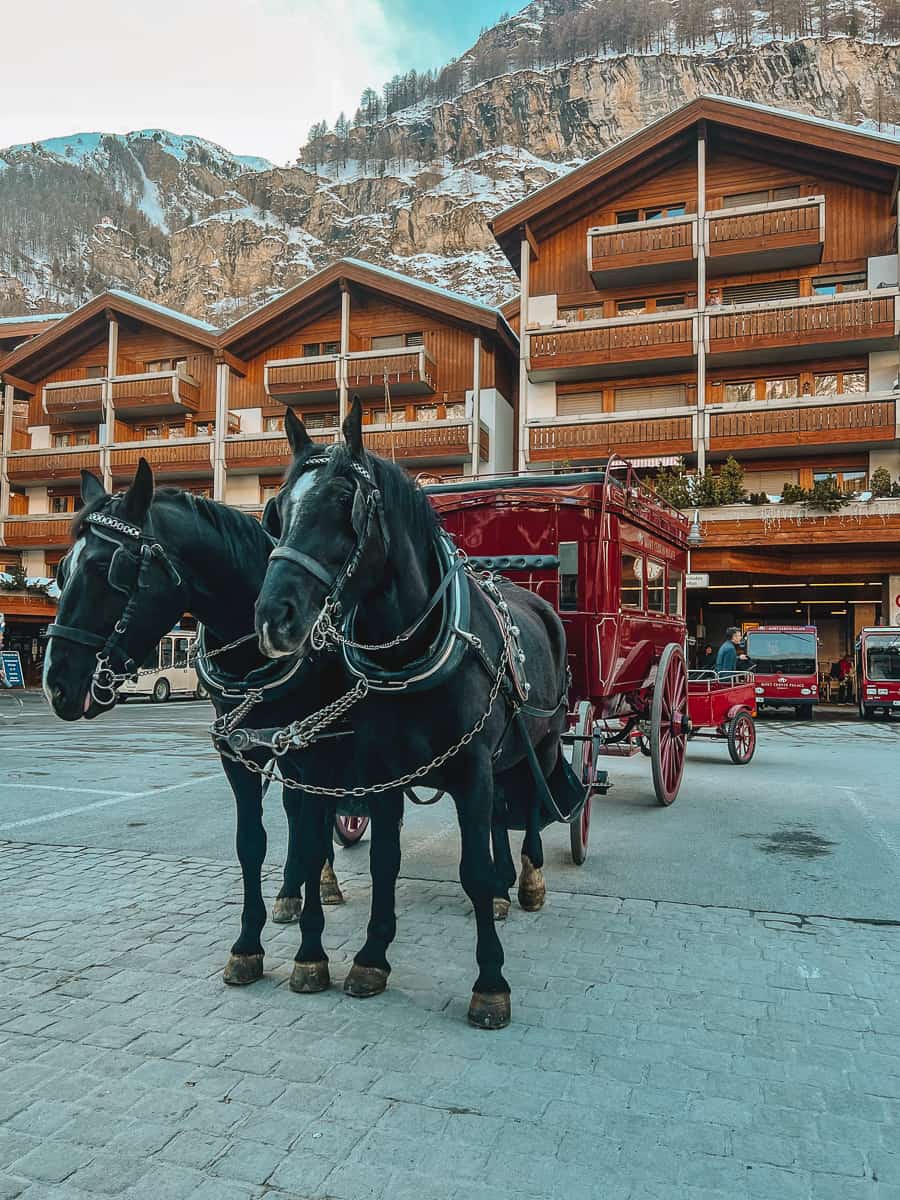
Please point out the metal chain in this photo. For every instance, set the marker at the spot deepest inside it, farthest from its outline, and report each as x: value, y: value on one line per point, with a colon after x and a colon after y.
x: 421, y: 772
x: 301, y: 734
x: 207, y: 654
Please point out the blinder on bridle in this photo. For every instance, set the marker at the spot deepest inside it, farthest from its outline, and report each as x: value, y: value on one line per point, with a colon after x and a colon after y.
x: 367, y: 510
x: 127, y: 573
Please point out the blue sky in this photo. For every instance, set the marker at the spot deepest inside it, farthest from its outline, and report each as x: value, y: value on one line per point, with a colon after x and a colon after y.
x: 252, y: 75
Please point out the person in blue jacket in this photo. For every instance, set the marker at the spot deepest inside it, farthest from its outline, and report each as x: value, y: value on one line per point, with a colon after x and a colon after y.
x: 727, y: 658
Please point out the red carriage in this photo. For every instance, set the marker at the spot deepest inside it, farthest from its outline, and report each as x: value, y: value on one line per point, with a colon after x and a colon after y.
x: 723, y: 707
x: 611, y: 557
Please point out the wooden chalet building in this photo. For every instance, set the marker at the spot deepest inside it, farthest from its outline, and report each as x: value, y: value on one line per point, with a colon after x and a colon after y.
x: 436, y: 372
x: 725, y: 282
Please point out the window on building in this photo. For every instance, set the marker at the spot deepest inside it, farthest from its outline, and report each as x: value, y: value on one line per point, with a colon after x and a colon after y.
x: 145, y: 432
x: 770, y: 482
x: 654, y: 213
x: 268, y: 491
x: 837, y: 285
x: 415, y: 339
x: 761, y: 196
x: 320, y: 420
x: 83, y: 438
x: 581, y: 312
x: 849, y: 481
x: 629, y: 307
x: 273, y: 424
x: 739, y: 392
x: 61, y: 439
x: 94, y: 372
x: 760, y: 293
x: 627, y: 215
x: 176, y: 431
x: 831, y: 383
x: 456, y: 411
x: 396, y: 416
x: 631, y: 590
x: 668, y: 303
x: 426, y: 412
x: 388, y: 341
x: 62, y: 504
x: 782, y: 389
x: 637, y: 399
x: 315, y: 349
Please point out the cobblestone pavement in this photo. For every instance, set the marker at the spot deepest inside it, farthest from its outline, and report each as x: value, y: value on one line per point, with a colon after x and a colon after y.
x: 659, y: 1051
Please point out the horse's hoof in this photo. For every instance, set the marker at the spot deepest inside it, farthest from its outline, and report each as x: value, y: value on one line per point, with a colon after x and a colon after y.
x: 310, y: 977
x: 501, y: 909
x: 362, y: 982
x: 242, y: 969
x: 532, y: 888
x: 329, y: 888
x: 287, y: 909
x: 489, y: 1010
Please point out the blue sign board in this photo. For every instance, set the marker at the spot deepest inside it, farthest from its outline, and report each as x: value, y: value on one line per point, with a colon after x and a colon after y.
x: 12, y: 668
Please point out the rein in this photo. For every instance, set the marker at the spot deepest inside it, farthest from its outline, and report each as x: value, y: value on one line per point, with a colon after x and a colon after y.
x: 139, y: 563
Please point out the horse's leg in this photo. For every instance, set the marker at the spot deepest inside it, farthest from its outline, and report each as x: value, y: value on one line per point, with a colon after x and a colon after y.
x: 329, y: 887
x: 503, y: 864
x: 369, y: 974
x: 490, y: 1005
x: 289, y: 901
x: 246, y: 961
x: 532, y: 887
x: 310, y: 972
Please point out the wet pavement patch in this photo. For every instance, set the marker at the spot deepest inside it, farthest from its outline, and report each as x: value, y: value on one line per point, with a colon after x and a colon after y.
x: 793, y: 841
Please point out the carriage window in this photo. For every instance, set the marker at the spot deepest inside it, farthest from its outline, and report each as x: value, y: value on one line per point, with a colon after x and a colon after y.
x: 568, y: 576
x: 165, y: 655
x: 632, y: 586
x: 675, y: 593
x: 181, y: 653
x: 656, y: 586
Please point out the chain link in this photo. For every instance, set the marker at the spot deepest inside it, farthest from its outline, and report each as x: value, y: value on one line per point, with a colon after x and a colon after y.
x: 208, y: 654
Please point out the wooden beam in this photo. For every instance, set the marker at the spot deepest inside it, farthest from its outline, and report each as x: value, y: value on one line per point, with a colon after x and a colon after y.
x: 21, y: 385
x: 531, y: 239
x: 237, y: 365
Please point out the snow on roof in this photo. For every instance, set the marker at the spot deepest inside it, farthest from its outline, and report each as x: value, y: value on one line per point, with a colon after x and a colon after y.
x: 163, y: 311
x: 32, y: 317
x: 823, y: 122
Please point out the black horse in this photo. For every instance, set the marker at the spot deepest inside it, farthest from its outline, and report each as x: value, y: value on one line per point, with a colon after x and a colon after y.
x: 363, y: 564
x: 142, y: 558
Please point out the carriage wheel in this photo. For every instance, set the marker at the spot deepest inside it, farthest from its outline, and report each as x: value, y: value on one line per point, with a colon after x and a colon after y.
x: 669, y: 724
x: 582, y: 762
x: 349, y: 830
x: 742, y: 738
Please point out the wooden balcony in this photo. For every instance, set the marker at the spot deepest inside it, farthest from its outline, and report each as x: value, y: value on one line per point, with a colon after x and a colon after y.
x: 46, y: 531
x: 590, y: 439
x: 786, y: 233
x: 617, y: 346
x: 249, y: 453
x: 852, y: 323
x: 826, y: 421
x: 182, y: 458
x: 59, y: 465
x: 292, y: 380
x: 154, y: 394
x: 426, y: 443
x: 75, y: 399
x: 642, y: 251
x: 409, y: 372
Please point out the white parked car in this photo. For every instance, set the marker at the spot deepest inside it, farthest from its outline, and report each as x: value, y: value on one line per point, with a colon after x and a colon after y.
x: 167, y: 672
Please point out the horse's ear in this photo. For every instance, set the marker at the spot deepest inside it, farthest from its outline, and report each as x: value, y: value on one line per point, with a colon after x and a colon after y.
x: 91, y: 487
x: 352, y: 428
x: 271, y: 518
x: 139, y: 495
x: 298, y: 438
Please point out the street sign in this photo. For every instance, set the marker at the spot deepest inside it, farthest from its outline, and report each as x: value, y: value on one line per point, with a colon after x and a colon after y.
x: 12, y: 668
x: 697, y: 579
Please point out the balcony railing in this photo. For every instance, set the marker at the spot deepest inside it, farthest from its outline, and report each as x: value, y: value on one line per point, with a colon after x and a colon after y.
x: 292, y: 379
x: 155, y: 394
x: 642, y: 250
x: 819, y: 421
x: 426, y: 441
x: 49, y: 529
x: 671, y: 431
x: 75, y: 399
x: 409, y: 372
x: 147, y: 394
x: 45, y: 466
x: 180, y: 458
x: 855, y: 321
x: 251, y: 452
x: 592, y: 349
x: 785, y: 233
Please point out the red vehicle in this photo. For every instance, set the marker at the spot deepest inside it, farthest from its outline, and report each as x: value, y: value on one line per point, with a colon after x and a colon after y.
x: 611, y: 557
x: 878, y: 671
x: 784, y: 659
x: 724, y: 708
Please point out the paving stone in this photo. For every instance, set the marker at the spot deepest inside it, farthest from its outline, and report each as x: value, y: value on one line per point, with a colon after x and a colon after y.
x: 52, y: 1162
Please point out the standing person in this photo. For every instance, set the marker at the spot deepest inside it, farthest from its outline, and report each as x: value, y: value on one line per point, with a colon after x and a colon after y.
x: 727, y: 657
x: 845, y: 674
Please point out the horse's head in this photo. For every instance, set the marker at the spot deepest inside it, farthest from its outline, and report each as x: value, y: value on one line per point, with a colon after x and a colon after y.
x: 332, y: 536
x: 119, y: 594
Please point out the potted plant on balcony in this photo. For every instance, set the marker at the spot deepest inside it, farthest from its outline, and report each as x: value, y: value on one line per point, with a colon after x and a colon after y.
x: 705, y: 490
x: 731, y: 482
x: 674, y: 486
x: 881, y: 485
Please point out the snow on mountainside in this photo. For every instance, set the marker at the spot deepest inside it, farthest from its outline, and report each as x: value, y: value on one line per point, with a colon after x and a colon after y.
x: 186, y: 223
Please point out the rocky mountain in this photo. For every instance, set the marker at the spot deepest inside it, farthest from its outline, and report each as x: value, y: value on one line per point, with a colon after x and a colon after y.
x: 184, y: 222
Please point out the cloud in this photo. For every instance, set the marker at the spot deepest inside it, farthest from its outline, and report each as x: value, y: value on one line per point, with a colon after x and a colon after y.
x: 250, y: 74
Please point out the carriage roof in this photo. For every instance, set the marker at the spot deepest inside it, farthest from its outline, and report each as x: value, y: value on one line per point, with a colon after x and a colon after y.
x: 596, y: 491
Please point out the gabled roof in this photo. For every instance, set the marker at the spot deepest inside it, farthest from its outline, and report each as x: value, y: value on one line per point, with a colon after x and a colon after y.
x: 321, y: 293
x: 846, y: 151
x: 87, y: 325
